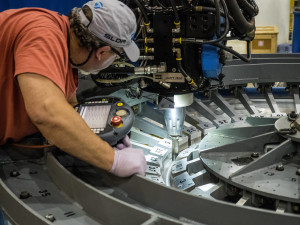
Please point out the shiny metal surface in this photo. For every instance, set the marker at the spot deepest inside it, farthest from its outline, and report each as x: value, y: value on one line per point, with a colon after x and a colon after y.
x: 183, y: 100
x: 174, y: 119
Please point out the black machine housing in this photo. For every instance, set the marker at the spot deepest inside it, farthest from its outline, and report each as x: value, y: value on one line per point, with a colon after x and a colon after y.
x: 183, y: 44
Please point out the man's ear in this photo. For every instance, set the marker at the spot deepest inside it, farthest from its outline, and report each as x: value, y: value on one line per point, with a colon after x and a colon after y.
x: 100, y: 51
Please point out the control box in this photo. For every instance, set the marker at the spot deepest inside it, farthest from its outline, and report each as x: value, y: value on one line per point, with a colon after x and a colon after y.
x: 108, y: 117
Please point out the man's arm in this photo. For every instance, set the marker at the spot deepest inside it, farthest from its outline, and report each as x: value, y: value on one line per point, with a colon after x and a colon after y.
x: 73, y: 100
x: 57, y: 120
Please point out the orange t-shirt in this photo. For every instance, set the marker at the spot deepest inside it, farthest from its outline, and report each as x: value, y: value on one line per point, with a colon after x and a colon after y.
x: 32, y: 40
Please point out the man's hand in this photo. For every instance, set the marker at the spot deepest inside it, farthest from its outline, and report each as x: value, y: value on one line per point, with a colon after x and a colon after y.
x: 125, y: 143
x: 129, y: 161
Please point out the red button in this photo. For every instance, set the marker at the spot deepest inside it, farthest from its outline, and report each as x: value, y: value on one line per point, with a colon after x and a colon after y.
x: 116, y: 121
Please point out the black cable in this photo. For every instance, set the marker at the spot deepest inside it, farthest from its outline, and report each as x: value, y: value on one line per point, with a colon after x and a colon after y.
x: 247, y: 7
x: 218, y: 15
x: 175, y: 11
x: 225, y: 9
x: 181, y: 70
x: 139, y: 28
x: 160, y: 4
x: 236, y: 53
x: 139, y: 20
x: 242, y: 25
x: 253, y: 3
x: 249, y: 50
x: 143, y: 11
x: 184, y: 73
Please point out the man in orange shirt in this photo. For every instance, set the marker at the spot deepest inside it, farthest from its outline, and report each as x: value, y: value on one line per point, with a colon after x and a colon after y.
x: 40, y: 54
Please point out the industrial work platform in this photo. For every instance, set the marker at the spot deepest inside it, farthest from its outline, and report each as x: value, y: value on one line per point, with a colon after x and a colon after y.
x: 239, y: 161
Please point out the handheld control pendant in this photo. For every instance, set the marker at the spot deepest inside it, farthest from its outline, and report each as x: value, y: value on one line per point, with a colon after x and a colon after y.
x: 108, y: 117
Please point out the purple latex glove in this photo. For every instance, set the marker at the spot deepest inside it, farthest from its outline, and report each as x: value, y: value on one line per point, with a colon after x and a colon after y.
x: 124, y: 144
x: 129, y: 161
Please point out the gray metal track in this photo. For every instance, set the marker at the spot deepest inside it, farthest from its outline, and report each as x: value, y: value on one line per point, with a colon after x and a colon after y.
x: 114, y: 201
x: 263, y: 68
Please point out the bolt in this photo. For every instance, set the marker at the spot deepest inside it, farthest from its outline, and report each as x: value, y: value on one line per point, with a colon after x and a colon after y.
x: 255, y: 155
x: 280, y: 167
x: 298, y: 172
x: 174, y: 70
x: 14, y: 173
x: 24, y: 195
x: 293, y: 115
x: 50, y: 217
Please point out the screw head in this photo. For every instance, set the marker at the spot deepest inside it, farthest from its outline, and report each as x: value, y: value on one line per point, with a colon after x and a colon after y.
x: 24, y: 195
x: 293, y: 115
x: 14, y: 173
x: 50, y: 217
x: 255, y: 155
x: 280, y: 167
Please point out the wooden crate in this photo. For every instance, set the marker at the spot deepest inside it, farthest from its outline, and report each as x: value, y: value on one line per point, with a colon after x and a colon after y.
x: 265, y: 40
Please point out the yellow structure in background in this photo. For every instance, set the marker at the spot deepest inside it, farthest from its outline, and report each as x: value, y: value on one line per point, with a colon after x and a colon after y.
x: 265, y: 40
x: 291, y: 25
x: 292, y: 4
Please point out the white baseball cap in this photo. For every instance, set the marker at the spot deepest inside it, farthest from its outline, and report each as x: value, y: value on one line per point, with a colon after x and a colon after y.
x: 114, y: 23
